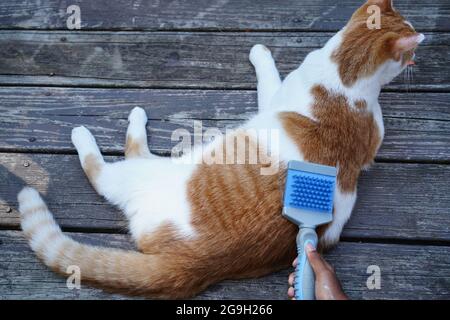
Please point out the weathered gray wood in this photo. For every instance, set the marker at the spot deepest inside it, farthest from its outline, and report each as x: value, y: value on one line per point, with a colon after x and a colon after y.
x: 407, y: 272
x: 177, y: 60
x: 210, y: 14
x: 168, y: 104
x: 396, y: 201
x: 41, y: 119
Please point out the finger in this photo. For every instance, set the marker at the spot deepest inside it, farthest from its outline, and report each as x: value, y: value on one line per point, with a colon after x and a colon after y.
x: 291, y: 292
x: 316, y: 261
x: 294, y: 264
x: 291, y: 279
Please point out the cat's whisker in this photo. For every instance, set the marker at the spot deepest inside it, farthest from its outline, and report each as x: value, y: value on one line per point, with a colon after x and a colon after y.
x: 405, y: 78
x: 408, y: 74
x: 408, y: 78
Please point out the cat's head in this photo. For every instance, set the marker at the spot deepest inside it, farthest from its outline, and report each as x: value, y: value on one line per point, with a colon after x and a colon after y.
x: 377, y: 40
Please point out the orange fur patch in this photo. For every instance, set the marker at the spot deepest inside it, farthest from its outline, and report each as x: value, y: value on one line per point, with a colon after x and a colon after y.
x: 236, y: 213
x: 134, y: 147
x: 341, y: 135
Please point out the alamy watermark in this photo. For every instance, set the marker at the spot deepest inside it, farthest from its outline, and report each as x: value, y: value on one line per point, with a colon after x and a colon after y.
x: 74, y: 280
x: 73, y: 22
x: 237, y: 146
x: 374, y: 20
x: 374, y: 280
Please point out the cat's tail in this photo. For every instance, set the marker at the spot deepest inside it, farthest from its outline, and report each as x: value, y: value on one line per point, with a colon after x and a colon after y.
x: 119, y: 270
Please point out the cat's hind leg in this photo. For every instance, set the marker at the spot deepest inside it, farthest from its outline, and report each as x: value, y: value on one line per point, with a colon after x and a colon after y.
x: 90, y: 157
x: 111, y: 180
x: 267, y: 75
x: 136, y: 142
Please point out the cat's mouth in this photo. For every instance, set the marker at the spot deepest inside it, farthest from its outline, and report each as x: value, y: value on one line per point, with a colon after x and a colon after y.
x: 412, y: 61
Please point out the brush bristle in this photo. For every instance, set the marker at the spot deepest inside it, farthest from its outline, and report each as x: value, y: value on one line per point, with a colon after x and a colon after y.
x: 309, y: 190
x: 311, y: 193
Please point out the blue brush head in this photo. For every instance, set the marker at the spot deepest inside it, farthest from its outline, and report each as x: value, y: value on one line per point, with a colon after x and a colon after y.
x: 309, y: 193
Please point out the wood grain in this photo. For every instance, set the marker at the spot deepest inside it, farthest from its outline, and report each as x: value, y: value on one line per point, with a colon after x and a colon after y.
x: 219, y: 15
x: 407, y: 272
x: 178, y: 59
x: 396, y: 201
x: 41, y: 119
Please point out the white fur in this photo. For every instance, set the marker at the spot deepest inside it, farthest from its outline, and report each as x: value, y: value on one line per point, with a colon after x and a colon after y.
x: 343, y: 206
x: 150, y: 192
x: 137, y: 120
x: 28, y: 199
x: 136, y: 129
x: 267, y: 74
x: 85, y: 144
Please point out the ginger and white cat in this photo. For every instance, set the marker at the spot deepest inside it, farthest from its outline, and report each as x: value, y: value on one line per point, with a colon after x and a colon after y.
x: 197, y: 224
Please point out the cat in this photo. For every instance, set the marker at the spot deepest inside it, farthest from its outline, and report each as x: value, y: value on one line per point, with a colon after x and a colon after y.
x: 196, y: 224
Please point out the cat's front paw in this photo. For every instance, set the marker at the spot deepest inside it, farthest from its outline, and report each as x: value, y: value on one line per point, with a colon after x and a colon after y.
x: 138, y: 115
x: 260, y: 54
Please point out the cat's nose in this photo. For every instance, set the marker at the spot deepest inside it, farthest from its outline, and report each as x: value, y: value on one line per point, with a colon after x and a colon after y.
x: 420, y: 38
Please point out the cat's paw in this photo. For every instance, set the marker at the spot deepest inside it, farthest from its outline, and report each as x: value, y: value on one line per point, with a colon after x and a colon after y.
x: 138, y: 115
x: 260, y: 55
x: 331, y: 236
x: 82, y: 138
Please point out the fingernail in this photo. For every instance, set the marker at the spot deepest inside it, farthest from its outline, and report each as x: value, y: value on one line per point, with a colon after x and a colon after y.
x: 310, y: 247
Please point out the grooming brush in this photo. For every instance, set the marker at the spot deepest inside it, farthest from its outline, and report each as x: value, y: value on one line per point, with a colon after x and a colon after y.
x: 308, y: 202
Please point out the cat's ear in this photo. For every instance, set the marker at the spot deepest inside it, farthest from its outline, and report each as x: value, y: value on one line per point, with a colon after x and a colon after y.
x: 385, y: 5
x: 405, y: 44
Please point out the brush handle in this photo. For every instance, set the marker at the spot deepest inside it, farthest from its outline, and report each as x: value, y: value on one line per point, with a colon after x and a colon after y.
x: 304, y: 275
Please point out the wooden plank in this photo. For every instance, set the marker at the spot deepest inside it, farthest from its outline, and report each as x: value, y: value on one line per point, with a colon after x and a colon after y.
x: 396, y: 201
x: 41, y: 119
x: 407, y: 272
x: 177, y: 59
x: 317, y: 15
x: 167, y: 104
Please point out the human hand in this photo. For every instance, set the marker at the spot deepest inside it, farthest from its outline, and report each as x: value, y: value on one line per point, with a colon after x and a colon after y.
x: 327, y: 284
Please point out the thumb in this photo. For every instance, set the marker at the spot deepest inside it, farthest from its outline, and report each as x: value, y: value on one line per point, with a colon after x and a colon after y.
x: 318, y: 264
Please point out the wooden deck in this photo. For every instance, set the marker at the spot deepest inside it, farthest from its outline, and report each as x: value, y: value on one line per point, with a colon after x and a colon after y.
x: 187, y: 60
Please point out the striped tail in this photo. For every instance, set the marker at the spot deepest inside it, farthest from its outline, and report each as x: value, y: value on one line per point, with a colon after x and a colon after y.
x: 120, y: 270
